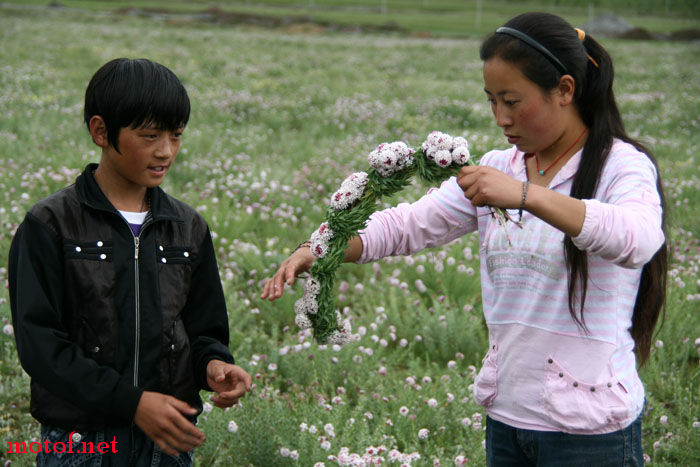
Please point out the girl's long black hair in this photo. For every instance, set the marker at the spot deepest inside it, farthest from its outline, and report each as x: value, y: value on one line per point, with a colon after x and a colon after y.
x: 596, y: 104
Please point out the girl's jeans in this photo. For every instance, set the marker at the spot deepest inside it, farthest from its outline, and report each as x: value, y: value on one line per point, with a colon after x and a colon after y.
x: 123, y: 446
x: 508, y: 446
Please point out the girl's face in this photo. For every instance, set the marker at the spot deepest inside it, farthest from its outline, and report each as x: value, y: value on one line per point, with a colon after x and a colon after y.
x: 531, y: 119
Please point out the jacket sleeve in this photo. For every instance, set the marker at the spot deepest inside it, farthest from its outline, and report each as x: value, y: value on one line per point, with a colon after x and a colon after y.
x: 43, y: 343
x: 205, y: 316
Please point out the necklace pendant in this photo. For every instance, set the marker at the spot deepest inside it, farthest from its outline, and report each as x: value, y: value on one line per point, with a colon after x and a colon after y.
x: 541, y: 172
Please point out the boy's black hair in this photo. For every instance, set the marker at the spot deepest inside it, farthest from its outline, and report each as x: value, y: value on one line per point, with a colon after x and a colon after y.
x: 136, y: 93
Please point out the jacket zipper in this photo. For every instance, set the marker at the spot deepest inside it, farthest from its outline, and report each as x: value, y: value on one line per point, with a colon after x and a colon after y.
x: 137, y: 304
x: 136, y: 309
x: 171, y: 351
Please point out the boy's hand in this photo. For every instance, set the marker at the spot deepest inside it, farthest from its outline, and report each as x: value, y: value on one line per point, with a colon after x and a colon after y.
x: 161, y: 418
x: 231, y: 382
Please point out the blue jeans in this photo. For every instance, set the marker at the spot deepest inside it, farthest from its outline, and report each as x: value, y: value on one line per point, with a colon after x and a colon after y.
x: 508, y: 446
x: 114, y: 447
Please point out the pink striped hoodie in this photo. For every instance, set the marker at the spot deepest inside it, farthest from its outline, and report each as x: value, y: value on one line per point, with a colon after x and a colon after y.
x: 541, y: 371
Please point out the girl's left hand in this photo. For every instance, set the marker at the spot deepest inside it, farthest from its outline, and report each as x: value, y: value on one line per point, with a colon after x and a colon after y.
x: 486, y: 186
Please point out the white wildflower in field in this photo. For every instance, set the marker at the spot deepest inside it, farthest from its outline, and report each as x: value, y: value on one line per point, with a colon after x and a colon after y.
x: 8, y: 329
x: 432, y: 403
x: 232, y: 427
x: 423, y: 433
x: 207, y: 407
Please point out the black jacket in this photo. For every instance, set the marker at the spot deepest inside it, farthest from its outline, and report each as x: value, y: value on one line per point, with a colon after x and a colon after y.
x: 101, y: 315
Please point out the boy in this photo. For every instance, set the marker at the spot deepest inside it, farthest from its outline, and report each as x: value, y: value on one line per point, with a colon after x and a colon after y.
x: 119, y: 314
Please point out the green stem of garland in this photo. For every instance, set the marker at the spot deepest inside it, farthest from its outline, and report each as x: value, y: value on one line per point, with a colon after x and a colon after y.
x: 347, y: 222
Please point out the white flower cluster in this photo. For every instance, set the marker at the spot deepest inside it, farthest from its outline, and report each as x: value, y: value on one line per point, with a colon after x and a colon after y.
x: 319, y: 240
x: 374, y: 456
x: 308, y: 303
x: 344, y: 334
x: 444, y: 149
x: 390, y: 158
x: 350, y: 191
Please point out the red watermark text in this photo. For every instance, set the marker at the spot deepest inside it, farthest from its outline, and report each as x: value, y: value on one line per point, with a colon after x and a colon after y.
x: 59, y: 447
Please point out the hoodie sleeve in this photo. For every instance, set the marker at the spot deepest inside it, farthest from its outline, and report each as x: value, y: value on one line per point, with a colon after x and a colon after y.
x: 623, y: 223
x: 437, y: 218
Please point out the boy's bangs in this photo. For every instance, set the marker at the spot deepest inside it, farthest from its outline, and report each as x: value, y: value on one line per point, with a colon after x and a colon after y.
x: 161, y: 108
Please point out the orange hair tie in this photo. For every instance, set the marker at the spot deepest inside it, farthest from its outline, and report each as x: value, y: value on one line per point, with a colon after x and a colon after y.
x: 582, y: 35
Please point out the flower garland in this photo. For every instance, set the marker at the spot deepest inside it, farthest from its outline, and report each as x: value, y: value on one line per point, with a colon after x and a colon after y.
x: 393, y: 167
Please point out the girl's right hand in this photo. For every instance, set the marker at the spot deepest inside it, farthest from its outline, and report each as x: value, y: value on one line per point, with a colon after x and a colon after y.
x: 298, y: 262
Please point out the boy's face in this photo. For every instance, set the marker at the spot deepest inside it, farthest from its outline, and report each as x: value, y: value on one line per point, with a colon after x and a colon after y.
x: 145, y: 155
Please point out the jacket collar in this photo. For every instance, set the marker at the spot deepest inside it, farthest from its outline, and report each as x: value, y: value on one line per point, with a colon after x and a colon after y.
x: 90, y: 194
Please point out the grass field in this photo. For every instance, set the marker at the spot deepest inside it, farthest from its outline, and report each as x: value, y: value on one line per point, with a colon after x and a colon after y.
x: 279, y: 119
x: 441, y: 18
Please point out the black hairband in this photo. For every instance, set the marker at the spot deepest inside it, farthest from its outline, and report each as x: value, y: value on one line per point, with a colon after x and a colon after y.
x: 535, y: 45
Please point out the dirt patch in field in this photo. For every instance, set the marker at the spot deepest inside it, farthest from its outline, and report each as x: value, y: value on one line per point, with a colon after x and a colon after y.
x: 609, y: 25
x: 292, y: 23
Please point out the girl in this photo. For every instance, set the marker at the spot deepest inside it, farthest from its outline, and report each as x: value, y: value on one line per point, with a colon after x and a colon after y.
x: 579, y: 291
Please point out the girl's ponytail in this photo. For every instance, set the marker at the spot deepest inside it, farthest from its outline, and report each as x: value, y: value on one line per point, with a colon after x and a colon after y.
x: 600, y: 113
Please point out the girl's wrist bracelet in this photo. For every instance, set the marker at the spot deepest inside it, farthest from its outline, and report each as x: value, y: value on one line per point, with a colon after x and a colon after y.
x: 526, y: 186
x: 302, y: 245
